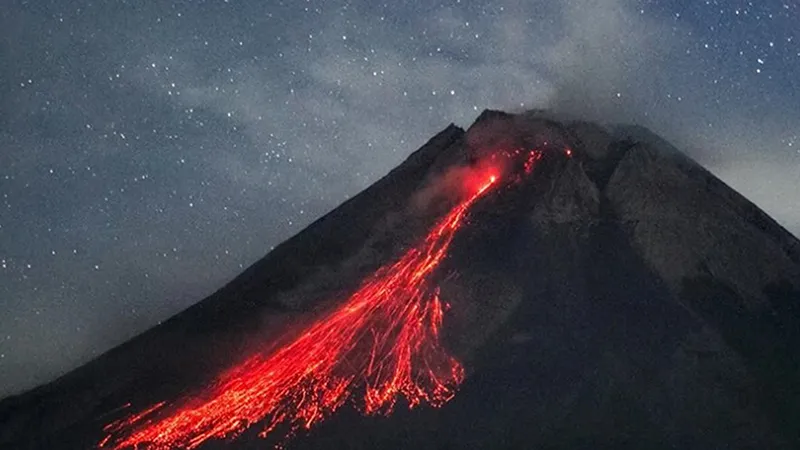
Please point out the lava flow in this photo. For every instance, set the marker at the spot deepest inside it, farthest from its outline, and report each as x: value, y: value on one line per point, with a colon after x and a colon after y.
x: 378, y: 346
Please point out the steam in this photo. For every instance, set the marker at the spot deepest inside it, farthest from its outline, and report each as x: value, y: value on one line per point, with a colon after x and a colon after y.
x: 608, y: 65
x: 455, y: 183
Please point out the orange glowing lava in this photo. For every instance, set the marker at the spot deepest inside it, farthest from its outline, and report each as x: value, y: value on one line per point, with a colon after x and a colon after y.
x: 380, y: 345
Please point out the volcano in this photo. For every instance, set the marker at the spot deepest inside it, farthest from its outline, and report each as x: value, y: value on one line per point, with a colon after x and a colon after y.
x: 535, y: 282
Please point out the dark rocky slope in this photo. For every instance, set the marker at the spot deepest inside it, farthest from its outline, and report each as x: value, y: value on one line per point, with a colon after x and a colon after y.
x: 620, y: 298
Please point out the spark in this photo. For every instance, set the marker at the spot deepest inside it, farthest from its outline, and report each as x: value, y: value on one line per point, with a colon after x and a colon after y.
x: 379, y: 346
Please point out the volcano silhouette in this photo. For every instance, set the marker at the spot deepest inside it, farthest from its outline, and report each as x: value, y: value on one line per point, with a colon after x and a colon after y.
x: 615, y: 294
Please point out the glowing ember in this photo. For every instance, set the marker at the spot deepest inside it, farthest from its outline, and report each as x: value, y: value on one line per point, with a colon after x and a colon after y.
x: 530, y: 162
x: 381, y: 344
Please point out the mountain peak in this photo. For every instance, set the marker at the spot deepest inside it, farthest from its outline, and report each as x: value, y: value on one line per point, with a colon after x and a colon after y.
x: 589, y: 285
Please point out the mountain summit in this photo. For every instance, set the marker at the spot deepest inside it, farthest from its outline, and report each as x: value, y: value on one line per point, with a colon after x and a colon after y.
x: 533, y: 282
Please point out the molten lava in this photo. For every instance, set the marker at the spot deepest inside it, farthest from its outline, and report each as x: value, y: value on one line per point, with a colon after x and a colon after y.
x: 380, y: 345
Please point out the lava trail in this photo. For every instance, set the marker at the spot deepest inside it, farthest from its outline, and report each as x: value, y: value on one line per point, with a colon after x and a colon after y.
x: 379, y: 345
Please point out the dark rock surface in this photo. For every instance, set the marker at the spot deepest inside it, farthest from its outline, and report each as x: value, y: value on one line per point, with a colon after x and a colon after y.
x: 623, y: 297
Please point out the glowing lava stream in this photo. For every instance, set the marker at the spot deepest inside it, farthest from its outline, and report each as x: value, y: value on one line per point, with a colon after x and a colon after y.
x: 383, y: 340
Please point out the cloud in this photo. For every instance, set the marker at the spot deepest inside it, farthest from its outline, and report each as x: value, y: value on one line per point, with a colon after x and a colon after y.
x: 355, y: 103
x: 608, y: 64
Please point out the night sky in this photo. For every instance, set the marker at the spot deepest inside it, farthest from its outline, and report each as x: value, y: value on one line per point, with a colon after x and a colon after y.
x: 150, y: 151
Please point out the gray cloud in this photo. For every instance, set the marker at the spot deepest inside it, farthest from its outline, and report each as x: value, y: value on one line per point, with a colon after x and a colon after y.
x: 601, y: 60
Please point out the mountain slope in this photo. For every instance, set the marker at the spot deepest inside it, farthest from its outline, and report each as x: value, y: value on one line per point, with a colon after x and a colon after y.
x: 619, y: 296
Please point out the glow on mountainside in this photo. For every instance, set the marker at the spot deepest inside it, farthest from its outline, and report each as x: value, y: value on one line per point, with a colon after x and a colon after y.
x: 381, y: 344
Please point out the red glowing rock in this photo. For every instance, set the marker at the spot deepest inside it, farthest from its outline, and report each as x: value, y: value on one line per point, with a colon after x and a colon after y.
x: 380, y: 345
